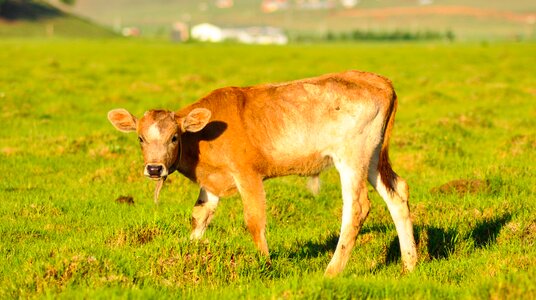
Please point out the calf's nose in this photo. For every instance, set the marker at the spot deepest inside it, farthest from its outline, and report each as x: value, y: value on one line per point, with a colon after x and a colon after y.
x: 154, y: 170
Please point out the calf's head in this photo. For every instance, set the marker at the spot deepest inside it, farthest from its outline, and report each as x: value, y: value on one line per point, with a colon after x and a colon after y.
x: 159, y: 133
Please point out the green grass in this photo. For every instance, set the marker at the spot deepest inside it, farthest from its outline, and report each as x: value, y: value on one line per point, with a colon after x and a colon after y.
x: 62, y: 27
x: 466, y: 112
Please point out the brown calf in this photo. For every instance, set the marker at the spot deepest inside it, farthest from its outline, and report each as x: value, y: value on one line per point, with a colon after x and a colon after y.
x: 234, y: 138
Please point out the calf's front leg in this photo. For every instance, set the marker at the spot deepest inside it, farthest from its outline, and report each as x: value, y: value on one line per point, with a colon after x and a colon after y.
x: 202, y: 214
x: 251, y: 189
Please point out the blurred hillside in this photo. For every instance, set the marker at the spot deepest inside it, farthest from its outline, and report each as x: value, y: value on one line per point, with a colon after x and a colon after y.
x: 33, y: 18
x: 468, y: 20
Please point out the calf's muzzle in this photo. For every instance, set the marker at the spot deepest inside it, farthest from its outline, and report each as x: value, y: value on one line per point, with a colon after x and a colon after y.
x: 155, y: 170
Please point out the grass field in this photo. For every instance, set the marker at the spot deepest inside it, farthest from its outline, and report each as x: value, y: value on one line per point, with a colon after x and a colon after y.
x: 464, y: 139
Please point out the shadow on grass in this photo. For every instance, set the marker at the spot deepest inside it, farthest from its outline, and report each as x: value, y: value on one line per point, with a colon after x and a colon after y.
x: 311, y: 249
x: 439, y: 243
x: 433, y: 242
x: 486, y: 231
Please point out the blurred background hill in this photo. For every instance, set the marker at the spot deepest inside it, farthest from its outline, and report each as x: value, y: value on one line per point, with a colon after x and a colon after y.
x: 313, y: 19
x: 21, y: 18
x: 477, y: 19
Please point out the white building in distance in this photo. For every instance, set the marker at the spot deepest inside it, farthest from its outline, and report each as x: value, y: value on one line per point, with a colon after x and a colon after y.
x: 250, y: 35
x: 206, y: 32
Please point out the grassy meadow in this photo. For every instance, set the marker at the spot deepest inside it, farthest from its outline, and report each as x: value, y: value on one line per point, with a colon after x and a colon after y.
x: 464, y: 138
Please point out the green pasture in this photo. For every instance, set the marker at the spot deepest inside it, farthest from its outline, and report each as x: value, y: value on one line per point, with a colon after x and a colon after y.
x: 464, y: 138
x: 66, y: 26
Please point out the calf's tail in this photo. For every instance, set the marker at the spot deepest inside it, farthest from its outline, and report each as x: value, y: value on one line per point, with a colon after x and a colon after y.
x: 388, y: 176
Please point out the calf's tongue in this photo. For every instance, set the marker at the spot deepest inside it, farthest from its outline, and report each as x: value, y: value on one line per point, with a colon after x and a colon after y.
x: 159, y: 185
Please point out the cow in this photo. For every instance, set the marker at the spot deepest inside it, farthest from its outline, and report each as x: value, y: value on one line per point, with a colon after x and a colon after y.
x: 236, y: 137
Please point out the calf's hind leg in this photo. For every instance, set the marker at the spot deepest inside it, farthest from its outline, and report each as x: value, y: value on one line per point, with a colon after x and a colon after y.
x: 397, y: 202
x: 313, y: 184
x: 356, y: 206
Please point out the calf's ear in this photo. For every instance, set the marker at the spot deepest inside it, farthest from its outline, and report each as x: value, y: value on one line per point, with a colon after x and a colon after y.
x: 196, y: 120
x: 122, y: 120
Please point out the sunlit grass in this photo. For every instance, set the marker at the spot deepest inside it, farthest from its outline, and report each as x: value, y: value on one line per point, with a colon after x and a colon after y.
x: 466, y: 112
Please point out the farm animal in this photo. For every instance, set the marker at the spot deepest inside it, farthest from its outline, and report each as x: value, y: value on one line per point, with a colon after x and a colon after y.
x: 234, y: 138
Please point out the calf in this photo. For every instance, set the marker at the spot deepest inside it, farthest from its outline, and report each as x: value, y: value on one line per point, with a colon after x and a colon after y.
x: 234, y: 138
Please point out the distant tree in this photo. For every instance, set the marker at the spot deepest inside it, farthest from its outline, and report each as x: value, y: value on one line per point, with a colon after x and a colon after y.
x: 450, y: 35
x: 6, y: 3
x: 69, y: 2
x: 16, y: 8
x: 2, y: 2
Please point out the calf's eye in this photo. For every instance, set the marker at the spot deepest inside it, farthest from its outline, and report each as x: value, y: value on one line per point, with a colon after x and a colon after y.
x: 140, y: 139
x: 174, y: 139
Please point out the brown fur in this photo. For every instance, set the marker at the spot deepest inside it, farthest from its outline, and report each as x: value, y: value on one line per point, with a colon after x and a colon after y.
x: 388, y: 177
x: 234, y: 138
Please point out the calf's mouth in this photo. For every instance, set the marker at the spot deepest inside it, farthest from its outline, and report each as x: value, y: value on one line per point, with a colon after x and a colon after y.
x: 158, y: 173
x: 155, y: 171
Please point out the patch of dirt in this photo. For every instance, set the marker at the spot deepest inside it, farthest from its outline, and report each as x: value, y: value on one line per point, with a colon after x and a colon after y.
x: 9, y: 151
x: 102, y: 151
x: 125, y: 200
x: 145, y: 235
x: 365, y: 238
x: 381, y: 13
x: 196, y: 78
x: 134, y: 236
x: 518, y: 231
x: 135, y: 173
x: 462, y: 186
x: 410, y: 161
x: 529, y: 233
x: 464, y: 121
x: 520, y: 144
x: 61, y: 274
x: 145, y: 86
x: 98, y: 176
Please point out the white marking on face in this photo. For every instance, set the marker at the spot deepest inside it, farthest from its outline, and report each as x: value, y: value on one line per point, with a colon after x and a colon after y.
x: 154, y: 132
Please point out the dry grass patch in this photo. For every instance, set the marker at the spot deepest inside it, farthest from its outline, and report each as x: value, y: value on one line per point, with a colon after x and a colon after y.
x: 463, y: 186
